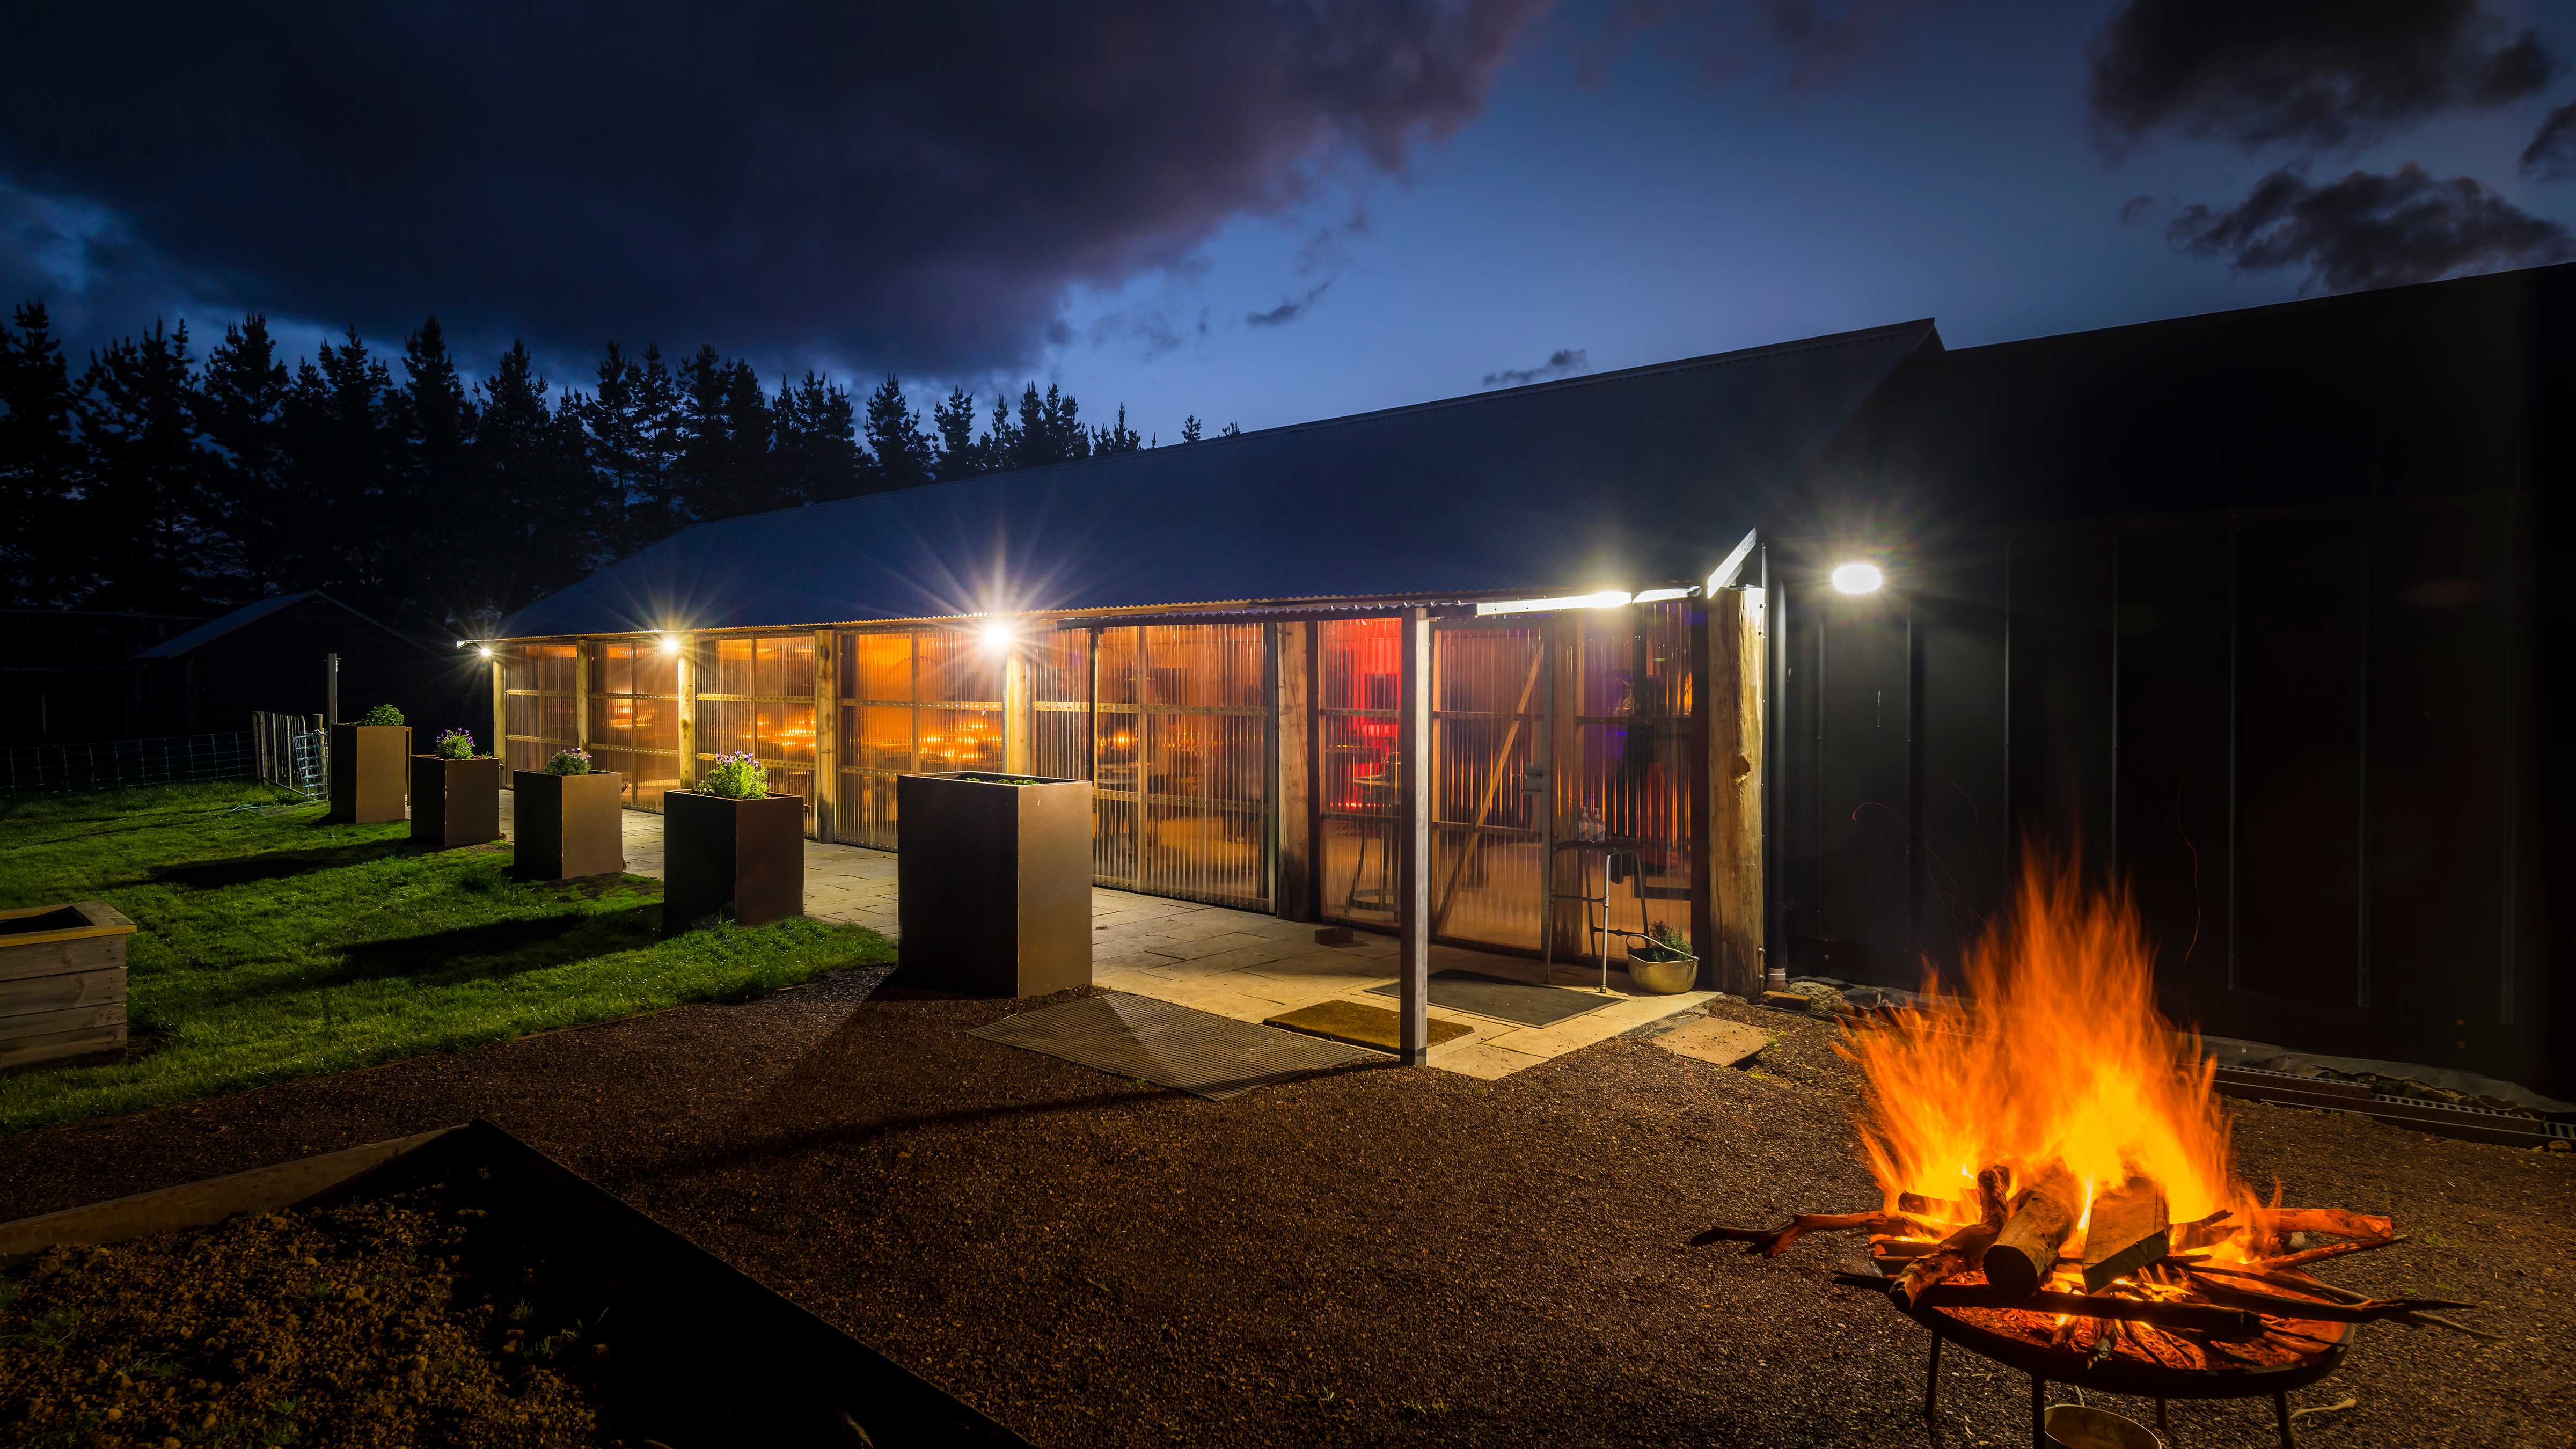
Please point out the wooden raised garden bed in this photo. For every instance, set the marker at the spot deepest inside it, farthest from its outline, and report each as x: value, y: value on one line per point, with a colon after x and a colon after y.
x: 995, y: 893
x: 62, y: 982
x: 456, y: 1287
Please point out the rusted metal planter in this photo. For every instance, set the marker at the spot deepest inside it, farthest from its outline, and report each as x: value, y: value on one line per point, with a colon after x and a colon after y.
x: 62, y: 982
x: 567, y: 825
x: 369, y: 772
x: 995, y: 892
x: 724, y: 857
x: 455, y: 802
x: 699, y: 1353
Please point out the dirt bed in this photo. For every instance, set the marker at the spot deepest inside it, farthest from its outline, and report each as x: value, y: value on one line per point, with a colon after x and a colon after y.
x: 1383, y: 1256
x: 369, y: 1322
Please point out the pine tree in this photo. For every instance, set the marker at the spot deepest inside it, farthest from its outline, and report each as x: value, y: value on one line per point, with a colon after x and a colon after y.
x: 533, y: 523
x: 613, y: 438
x: 240, y: 409
x: 1030, y: 443
x: 702, y: 461
x: 999, y: 449
x: 143, y: 500
x: 960, y: 456
x: 750, y: 469
x: 39, y: 465
x: 341, y: 447
x: 817, y: 445
x: 1230, y: 431
x: 1117, y: 438
x: 657, y: 430
x: 1190, y: 428
x: 902, y: 449
x: 1065, y: 436
x: 433, y: 486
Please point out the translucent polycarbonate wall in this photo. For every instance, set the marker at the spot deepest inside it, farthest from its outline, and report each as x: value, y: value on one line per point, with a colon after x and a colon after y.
x: 1358, y: 688
x: 635, y: 716
x: 540, y: 713
x: 911, y: 700
x: 757, y: 694
x: 1488, y: 837
x: 1632, y: 703
x: 1181, y: 760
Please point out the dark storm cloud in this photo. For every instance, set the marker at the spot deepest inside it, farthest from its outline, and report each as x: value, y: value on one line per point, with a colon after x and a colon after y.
x: 2135, y: 209
x: 2311, y: 74
x: 2369, y: 230
x: 1563, y: 362
x: 2551, y: 156
x: 915, y: 185
x: 1289, y: 308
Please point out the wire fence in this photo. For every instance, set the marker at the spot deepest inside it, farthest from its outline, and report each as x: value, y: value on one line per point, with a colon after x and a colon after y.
x: 123, y: 764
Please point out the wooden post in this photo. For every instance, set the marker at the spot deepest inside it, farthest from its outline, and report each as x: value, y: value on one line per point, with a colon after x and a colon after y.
x: 1293, y: 888
x: 1016, y: 722
x: 1413, y: 839
x: 1737, y: 697
x: 688, y: 704
x: 1706, y: 769
x: 581, y: 695
x: 500, y: 712
x: 827, y: 736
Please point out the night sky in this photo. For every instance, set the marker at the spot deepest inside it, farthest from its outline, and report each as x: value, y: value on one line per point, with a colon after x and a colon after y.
x: 1261, y: 213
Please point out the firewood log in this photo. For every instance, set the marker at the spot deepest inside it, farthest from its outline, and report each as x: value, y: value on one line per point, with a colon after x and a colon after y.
x: 1959, y: 1253
x: 1772, y: 1242
x: 2042, y: 1215
x: 2330, y: 1250
x: 2126, y: 1232
x: 2220, y: 1323
x: 2333, y: 1222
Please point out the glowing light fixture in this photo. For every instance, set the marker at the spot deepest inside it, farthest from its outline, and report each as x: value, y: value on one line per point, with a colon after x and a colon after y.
x: 670, y: 643
x: 996, y: 635
x: 1858, y: 578
x: 483, y: 649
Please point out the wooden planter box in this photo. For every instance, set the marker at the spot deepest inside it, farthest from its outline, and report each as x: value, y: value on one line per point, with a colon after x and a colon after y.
x: 62, y: 982
x: 701, y: 1355
x: 455, y: 802
x: 567, y: 825
x: 995, y: 893
x: 742, y: 858
x: 370, y: 768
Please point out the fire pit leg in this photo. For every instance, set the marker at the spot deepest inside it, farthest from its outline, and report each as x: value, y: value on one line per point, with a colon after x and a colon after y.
x: 1932, y: 1394
x: 2281, y: 1412
x: 2163, y: 1427
x: 2038, y: 1412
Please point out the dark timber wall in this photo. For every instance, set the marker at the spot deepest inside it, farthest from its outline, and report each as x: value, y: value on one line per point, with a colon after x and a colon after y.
x: 2250, y: 610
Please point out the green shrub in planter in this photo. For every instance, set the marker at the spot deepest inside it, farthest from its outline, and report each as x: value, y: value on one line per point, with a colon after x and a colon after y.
x: 383, y: 714
x: 735, y: 777
x: 569, y: 762
x: 454, y: 745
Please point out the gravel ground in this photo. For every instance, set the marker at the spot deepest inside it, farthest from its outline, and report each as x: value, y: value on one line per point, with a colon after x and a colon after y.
x: 1380, y: 1256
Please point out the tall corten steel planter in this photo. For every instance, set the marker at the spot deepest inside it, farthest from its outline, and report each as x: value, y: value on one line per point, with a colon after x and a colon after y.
x: 567, y: 825
x: 721, y: 856
x: 995, y: 892
x: 369, y: 771
x: 455, y: 802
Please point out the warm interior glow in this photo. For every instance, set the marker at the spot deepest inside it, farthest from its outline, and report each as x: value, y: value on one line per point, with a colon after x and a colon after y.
x: 1858, y: 578
x: 2055, y: 1056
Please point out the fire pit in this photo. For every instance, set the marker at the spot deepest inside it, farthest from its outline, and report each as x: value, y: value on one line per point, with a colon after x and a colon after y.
x: 2059, y: 1187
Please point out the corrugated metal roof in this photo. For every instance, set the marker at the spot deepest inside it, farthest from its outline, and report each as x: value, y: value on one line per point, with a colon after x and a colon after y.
x: 217, y: 628
x: 1620, y: 480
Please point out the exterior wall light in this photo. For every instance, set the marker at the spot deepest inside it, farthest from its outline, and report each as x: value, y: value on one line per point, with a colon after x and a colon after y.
x: 483, y: 649
x: 670, y: 643
x: 1857, y: 578
x: 996, y: 636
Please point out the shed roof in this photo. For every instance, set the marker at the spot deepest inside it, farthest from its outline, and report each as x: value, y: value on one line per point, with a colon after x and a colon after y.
x: 248, y: 614
x: 1624, y: 480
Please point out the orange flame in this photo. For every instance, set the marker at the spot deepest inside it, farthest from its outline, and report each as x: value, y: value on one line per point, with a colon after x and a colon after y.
x: 2056, y: 1055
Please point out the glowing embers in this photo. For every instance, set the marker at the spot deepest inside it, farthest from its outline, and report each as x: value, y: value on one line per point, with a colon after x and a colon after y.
x: 2058, y: 1187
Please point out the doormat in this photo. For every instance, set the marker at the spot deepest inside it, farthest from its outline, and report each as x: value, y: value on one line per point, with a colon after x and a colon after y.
x: 1517, y: 1002
x: 1210, y: 1056
x: 1372, y: 1026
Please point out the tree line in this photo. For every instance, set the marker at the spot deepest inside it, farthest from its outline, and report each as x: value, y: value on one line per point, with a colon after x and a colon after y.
x: 159, y: 482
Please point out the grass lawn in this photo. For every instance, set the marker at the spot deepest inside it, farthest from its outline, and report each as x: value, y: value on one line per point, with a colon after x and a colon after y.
x: 273, y: 945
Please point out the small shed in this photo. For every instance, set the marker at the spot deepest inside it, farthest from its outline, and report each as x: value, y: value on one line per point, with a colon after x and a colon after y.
x: 275, y: 655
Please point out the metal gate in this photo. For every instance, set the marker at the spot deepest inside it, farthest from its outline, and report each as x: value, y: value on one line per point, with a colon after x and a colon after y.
x: 1489, y: 817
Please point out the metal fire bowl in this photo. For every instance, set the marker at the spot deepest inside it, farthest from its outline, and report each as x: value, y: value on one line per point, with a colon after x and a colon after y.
x: 2117, y: 1375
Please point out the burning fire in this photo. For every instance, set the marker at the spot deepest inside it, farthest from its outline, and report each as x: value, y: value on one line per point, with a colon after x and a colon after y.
x: 2055, y: 1057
